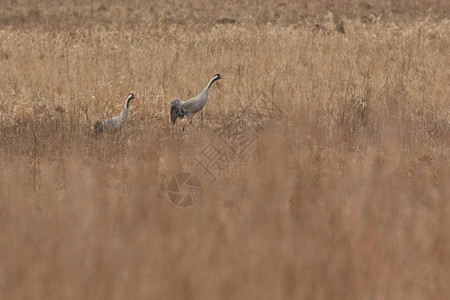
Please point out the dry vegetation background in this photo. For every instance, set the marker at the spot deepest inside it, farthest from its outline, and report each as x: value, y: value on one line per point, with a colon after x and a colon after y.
x: 346, y: 196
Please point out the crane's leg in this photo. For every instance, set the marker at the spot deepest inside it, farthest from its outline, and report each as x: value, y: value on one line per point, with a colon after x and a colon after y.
x: 202, y: 118
x: 188, y: 121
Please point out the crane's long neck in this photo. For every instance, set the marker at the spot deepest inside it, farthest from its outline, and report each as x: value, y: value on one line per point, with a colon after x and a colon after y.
x: 205, y: 91
x: 124, y: 113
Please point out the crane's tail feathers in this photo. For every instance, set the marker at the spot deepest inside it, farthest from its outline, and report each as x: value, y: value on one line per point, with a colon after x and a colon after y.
x: 176, y: 111
x: 98, y: 127
x: 174, y: 114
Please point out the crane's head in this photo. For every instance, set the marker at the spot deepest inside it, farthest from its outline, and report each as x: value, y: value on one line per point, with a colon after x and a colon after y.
x: 214, y: 79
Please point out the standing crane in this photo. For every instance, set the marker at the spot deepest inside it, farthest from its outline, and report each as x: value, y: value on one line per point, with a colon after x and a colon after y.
x: 190, y: 107
x: 115, y: 123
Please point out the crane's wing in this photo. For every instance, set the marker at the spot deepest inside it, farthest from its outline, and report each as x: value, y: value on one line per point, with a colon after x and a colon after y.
x: 192, y: 106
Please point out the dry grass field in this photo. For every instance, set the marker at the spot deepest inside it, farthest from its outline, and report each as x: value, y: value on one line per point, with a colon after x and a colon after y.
x: 343, y: 194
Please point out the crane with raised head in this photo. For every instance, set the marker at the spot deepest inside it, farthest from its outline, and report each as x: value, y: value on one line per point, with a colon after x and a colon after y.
x: 190, y: 107
x: 115, y: 123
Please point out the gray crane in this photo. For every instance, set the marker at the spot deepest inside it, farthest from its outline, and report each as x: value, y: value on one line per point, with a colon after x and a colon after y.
x: 190, y: 107
x: 115, y: 123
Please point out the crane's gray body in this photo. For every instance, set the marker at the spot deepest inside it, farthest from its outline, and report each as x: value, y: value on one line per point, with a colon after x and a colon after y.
x: 188, y: 108
x: 115, y: 123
